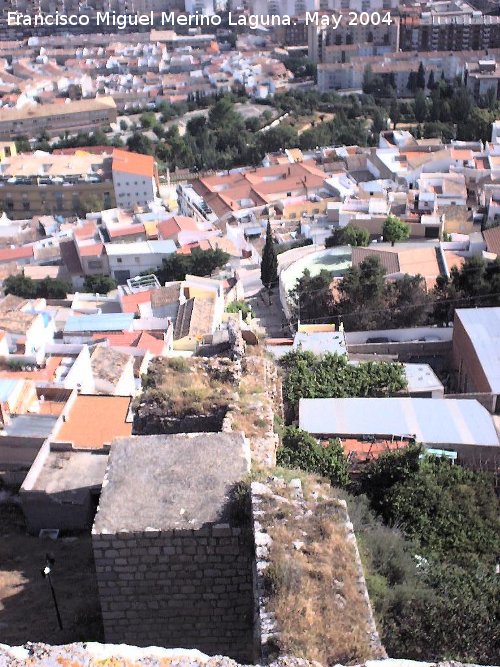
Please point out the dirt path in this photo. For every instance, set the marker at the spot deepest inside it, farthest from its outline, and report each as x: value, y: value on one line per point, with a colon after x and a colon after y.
x: 26, y: 607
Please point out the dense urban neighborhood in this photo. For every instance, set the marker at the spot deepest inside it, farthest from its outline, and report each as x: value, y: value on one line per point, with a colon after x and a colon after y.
x: 249, y: 333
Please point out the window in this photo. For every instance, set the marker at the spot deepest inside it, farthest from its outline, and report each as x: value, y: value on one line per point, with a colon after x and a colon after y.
x: 94, y: 264
x: 26, y: 205
x: 119, y: 260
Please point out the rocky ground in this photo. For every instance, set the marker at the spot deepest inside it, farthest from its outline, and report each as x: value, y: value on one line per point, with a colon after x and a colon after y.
x: 107, y: 655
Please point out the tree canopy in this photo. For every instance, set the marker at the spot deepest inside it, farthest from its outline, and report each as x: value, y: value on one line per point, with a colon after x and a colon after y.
x: 331, y: 376
x: 26, y: 287
x: 99, y: 284
x: 395, y: 230
x: 350, y: 235
x: 300, y: 450
x: 434, y: 558
x: 197, y: 263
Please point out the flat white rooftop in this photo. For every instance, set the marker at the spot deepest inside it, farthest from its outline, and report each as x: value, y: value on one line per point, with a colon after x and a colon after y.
x: 432, y: 421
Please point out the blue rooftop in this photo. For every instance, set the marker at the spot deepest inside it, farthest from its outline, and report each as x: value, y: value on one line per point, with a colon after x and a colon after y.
x: 96, y: 323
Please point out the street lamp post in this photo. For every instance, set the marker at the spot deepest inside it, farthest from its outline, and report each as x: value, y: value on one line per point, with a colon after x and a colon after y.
x: 49, y: 562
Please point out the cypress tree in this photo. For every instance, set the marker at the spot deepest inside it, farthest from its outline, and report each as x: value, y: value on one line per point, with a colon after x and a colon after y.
x: 269, y: 265
x: 421, y: 77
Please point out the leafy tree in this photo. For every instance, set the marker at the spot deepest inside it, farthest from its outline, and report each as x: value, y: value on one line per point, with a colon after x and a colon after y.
x: 123, y: 125
x: 448, y: 511
x: 223, y: 114
x: 361, y: 303
x: 269, y: 264
x: 407, y: 301
x: 301, y: 450
x: 355, y: 236
x: 378, y: 123
x: 99, y: 284
x: 312, y: 298
x: 52, y: 288
x: 148, y: 120
x: 420, y: 106
x: 198, y: 263
x: 23, y: 145
x: 20, y: 285
x: 476, y: 283
x: 239, y: 306
x: 277, y: 138
x: 139, y: 143
x: 331, y: 376
x: 395, y: 112
x: 431, y: 81
x: 395, y: 230
x: 349, y: 235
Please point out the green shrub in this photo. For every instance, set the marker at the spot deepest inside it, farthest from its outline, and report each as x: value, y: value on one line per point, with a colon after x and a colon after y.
x: 301, y: 450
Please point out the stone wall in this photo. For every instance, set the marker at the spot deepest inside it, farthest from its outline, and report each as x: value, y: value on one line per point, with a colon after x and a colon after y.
x: 190, y: 588
x: 83, y: 655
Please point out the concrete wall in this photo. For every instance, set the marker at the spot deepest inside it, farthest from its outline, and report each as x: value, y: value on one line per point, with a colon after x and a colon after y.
x: 471, y: 375
x: 178, y: 588
x: 43, y: 510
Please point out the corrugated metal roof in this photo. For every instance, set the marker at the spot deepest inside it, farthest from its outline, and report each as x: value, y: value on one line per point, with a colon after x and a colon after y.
x: 430, y: 420
x: 103, y: 322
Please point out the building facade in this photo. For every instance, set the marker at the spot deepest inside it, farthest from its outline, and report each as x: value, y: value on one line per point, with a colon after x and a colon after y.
x: 56, y: 119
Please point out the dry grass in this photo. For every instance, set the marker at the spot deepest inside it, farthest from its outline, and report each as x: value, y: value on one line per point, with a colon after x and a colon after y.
x: 315, y: 592
x: 186, y: 387
x: 249, y: 416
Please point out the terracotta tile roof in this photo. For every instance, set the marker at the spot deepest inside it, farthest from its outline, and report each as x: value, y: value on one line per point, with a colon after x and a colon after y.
x: 116, y: 231
x: 492, y: 239
x: 142, y: 340
x: 130, y: 302
x: 174, y: 225
x: 461, y: 154
x: 11, y: 254
x: 86, y: 231
x: 368, y: 450
x: 108, y: 421
x: 413, y: 261
x: 389, y: 260
x: 91, y: 250
x: 133, y: 163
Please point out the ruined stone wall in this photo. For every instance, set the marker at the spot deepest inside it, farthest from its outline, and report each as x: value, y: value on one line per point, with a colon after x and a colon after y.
x: 178, y: 588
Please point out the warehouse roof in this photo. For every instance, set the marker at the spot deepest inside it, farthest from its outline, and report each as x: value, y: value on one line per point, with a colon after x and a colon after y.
x: 429, y: 420
x: 483, y: 328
